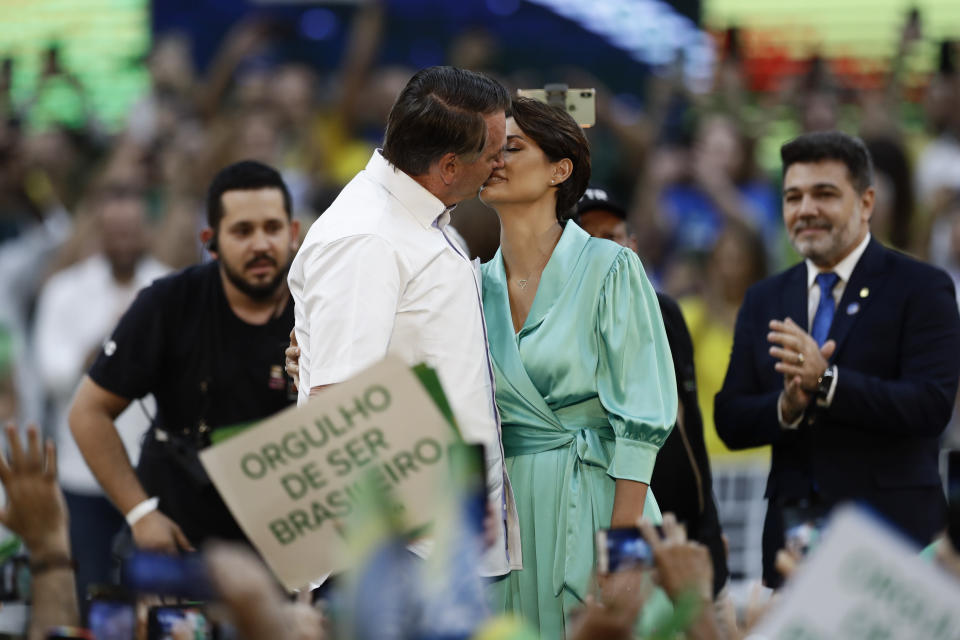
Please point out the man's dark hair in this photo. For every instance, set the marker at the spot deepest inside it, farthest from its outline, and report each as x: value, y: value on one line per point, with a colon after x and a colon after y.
x: 831, y: 145
x: 246, y: 175
x: 559, y: 136
x: 440, y: 111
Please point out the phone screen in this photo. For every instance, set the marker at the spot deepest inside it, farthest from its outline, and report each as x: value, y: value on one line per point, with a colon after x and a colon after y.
x: 803, y: 524
x: 112, y: 619
x: 619, y: 549
x: 184, y: 575
x: 162, y: 622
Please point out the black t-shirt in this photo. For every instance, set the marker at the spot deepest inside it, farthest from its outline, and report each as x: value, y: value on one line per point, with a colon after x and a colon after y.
x: 180, y: 341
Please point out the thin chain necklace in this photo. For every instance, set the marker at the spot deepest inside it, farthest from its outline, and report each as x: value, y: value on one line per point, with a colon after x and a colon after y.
x: 523, y: 282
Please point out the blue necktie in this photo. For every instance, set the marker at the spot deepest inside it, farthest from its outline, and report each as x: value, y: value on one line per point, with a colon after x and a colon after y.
x: 823, y: 318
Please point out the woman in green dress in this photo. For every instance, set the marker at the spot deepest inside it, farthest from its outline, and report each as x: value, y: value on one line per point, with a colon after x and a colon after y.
x: 584, y: 378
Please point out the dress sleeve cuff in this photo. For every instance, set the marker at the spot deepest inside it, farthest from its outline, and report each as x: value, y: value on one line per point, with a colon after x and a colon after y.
x: 633, y: 460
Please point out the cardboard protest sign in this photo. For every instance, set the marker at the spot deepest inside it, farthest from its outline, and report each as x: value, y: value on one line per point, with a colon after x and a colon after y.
x: 865, y: 582
x: 292, y: 480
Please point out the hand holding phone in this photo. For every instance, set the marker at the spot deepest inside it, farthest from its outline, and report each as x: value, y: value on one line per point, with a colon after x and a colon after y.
x: 622, y: 548
x: 683, y: 566
x: 183, y: 576
x: 579, y: 103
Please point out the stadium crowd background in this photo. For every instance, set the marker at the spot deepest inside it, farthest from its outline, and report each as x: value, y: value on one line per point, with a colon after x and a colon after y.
x: 688, y: 143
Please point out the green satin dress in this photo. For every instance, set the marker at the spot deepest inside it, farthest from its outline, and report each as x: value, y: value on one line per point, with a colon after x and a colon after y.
x: 586, y: 393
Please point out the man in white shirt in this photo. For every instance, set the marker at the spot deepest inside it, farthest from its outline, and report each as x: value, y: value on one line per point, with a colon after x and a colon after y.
x: 77, y: 309
x: 378, y: 273
x: 847, y: 362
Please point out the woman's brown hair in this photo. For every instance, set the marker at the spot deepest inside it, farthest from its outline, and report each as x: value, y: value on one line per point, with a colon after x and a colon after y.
x: 559, y: 136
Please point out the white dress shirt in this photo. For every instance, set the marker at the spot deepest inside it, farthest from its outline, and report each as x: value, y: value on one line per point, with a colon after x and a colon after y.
x: 843, y: 269
x: 77, y: 310
x: 377, y: 274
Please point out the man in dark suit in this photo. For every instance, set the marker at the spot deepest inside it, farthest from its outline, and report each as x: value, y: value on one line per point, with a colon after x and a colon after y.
x: 846, y: 363
x: 681, y: 482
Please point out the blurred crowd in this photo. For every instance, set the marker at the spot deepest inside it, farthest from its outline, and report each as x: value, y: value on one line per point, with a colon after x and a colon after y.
x: 694, y: 170
x: 88, y: 214
x: 82, y: 207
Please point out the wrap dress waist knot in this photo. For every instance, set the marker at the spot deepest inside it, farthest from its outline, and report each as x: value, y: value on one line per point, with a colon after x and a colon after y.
x: 587, y: 445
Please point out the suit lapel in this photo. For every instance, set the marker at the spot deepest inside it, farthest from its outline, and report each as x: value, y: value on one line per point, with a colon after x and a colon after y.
x: 794, y: 296
x: 863, y: 288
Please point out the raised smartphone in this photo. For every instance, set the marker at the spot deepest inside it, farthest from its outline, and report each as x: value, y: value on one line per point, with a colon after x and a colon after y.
x: 619, y: 549
x: 579, y: 103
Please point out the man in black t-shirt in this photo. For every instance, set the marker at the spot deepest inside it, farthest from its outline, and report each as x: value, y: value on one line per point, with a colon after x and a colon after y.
x: 208, y: 343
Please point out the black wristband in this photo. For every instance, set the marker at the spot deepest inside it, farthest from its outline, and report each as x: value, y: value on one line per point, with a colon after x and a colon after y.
x: 51, y: 562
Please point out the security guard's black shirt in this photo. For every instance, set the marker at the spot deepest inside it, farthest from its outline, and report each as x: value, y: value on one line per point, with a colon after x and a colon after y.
x: 181, y: 342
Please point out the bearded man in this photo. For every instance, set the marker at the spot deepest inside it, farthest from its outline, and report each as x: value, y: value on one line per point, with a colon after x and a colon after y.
x: 847, y: 362
x: 207, y: 342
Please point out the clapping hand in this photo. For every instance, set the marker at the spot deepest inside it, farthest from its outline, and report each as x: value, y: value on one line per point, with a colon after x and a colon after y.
x: 801, y: 362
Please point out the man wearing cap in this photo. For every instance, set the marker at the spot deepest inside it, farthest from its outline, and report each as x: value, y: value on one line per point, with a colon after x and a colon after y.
x: 681, y: 479
x: 845, y: 363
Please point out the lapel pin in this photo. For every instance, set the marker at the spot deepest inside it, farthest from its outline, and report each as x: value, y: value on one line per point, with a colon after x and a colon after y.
x: 852, y: 308
x: 864, y: 292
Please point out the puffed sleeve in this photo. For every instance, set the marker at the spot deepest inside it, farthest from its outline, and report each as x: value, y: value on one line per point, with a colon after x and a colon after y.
x: 636, y: 382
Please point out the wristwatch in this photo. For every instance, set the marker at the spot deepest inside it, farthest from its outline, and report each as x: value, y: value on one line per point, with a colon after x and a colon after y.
x: 824, y: 382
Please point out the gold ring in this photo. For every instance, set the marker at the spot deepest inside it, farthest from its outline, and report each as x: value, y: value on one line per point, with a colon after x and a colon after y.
x: 799, y: 358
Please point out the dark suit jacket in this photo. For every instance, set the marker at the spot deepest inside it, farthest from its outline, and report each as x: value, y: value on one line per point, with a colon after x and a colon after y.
x: 681, y: 481
x: 898, y: 357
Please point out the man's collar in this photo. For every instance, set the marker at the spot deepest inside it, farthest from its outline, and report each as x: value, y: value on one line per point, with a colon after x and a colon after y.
x: 423, y: 205
x: 844, y: 268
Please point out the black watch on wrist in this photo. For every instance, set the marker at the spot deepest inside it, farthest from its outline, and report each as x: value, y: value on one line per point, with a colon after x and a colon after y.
x: 824, y: 382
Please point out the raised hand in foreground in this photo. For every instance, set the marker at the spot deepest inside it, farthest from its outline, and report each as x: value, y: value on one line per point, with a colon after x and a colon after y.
x: 36, y: 511
x: 257, y: 605
x: 684, y: 568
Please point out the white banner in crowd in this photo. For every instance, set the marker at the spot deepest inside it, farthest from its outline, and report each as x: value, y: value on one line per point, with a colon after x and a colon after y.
x: 294, y: 480
x: 865, y: 582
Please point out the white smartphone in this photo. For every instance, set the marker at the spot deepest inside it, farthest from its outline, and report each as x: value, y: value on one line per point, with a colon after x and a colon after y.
x: 579, y: 103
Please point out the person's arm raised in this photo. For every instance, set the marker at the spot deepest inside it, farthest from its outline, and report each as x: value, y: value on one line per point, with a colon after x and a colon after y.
x: 684, y: 569
x: 35, y: 511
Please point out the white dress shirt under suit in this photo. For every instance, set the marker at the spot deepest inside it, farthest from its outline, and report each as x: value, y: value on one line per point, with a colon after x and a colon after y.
x: 843, y: 269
